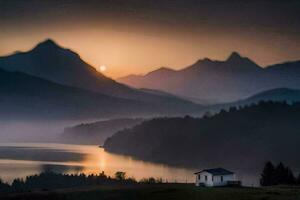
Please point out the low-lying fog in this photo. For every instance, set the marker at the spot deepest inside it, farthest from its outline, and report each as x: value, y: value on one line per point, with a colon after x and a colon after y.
x: 35, y: 131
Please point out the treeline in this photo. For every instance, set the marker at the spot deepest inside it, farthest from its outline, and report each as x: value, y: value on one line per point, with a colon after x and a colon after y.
x: 50, y: 180
x: 233, y: 138
x: 278, y: 175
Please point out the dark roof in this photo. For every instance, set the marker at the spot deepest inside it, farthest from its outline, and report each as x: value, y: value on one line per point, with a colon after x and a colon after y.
x: 216, y: 171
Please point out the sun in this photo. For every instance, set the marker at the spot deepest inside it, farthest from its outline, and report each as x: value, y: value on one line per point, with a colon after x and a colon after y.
x: 102, y: 68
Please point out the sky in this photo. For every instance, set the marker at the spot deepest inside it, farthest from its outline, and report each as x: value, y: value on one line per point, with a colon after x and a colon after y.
x: 135, y: 36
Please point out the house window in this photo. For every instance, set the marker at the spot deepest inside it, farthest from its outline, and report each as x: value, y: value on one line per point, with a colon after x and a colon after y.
x: 199, y: 176
x: 221, y: 178
x: 205, y: 178
x: 212, y: 178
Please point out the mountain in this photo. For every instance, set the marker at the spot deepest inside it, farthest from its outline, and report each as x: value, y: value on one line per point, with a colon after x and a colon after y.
x: 275, y: 95
x: 286, y: 74
x: 278, y: 94
x: 287, y: 67
x: 25, y: 96
x: 97, y: 132
x: 235, y: 78
x: 54, y: 63
x: 241, y: 138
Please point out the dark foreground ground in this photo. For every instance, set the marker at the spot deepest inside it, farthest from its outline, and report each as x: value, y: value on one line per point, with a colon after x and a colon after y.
x: 161, y: 191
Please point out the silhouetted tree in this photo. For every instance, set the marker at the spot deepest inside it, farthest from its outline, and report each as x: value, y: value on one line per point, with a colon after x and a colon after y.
x: 151, y: 180
x: 4, y: 187
x: 120, y: 176
x: 277, y: 176
x: 280, y: 174
x: 290, y: 176
x: 268, y: 175
x: 284, y: 175
x: 233, y: 109
x: 18, y: 185
x: 49, y: 180
x: 207, y: 114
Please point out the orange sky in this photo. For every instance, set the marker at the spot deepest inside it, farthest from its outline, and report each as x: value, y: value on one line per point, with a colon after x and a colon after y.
x: 131, y: 42
x: 127, y: 52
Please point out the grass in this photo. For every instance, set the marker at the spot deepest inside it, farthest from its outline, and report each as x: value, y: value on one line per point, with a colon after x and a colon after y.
x: 161, y: 192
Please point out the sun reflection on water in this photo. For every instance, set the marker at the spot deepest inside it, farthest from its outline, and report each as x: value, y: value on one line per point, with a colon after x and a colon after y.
x: 29, y: 158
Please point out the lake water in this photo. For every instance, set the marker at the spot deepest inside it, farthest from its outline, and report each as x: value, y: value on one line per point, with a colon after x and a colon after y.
x: 22, y: 159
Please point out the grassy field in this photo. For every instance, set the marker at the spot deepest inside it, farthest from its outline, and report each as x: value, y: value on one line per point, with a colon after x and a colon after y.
x: 161, y: 192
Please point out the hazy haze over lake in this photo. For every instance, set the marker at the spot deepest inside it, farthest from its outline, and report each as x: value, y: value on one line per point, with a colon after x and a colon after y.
x: 35, y: 131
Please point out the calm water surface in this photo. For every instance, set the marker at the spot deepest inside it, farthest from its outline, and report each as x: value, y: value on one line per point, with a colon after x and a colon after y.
x: 22, y: 159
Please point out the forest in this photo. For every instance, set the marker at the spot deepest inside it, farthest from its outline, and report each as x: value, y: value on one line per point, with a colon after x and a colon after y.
x: 242, y: 137
x: 49, y: 180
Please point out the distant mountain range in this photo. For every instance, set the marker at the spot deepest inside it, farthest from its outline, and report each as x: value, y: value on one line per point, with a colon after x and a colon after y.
x: 55, y: 79
x: 52, y: 81
x: 219, y: 81
x: 276, y: 95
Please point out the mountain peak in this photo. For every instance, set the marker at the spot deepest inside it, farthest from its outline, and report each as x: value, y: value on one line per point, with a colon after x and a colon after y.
x: 50, y: 46
x: 164, y: 69
x: 161, y: 71
x: 235, y: 56
x: 204, y: 60
x: 236, y: 60
x: 48, y: 43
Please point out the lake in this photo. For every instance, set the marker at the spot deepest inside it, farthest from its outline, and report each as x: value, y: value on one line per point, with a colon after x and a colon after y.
x: 22, y: 159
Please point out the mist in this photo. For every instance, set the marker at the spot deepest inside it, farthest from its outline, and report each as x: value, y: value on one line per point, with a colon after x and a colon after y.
x: 24, y: 131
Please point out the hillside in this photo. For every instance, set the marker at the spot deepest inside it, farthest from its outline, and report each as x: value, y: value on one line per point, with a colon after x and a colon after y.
x: 24, y: 96
x: 97, y: 132
x: 275, y: 95
x: 278, y: 94
x: 239, y: 139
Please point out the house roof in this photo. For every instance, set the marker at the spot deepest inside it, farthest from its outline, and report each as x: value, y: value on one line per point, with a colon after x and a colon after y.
x: 216, y: 171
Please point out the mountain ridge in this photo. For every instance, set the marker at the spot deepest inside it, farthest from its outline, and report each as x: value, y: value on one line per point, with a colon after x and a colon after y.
x: 229, y: 80
x: 278, y: 94
x: 50, y: 61
x: 26, y: 96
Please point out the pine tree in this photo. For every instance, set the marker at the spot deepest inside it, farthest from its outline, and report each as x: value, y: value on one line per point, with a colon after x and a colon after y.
x: 268, y: 174
x: 280, y: 174
x: 291, y: 180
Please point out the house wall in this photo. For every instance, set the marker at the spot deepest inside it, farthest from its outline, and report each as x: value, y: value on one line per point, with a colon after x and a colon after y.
x: 217, y: 180
x: 202, y: 180
x: 213, y: 180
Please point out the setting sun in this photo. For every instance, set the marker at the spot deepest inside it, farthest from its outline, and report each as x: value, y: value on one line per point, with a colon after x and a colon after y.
x: 102, y: 68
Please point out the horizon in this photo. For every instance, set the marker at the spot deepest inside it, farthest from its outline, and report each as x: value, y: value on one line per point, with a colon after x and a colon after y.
x: 136, y: 37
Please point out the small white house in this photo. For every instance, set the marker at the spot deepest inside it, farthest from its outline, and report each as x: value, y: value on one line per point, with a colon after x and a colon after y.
x: 215, y: 177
